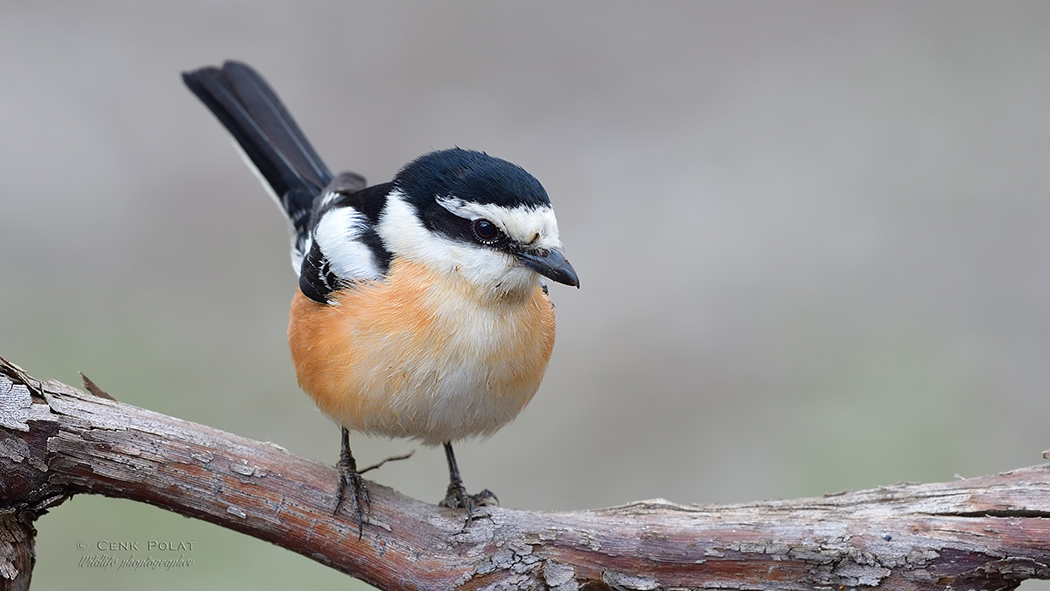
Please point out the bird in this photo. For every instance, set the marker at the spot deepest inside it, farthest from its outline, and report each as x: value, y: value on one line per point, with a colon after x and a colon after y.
x: 422, y: 309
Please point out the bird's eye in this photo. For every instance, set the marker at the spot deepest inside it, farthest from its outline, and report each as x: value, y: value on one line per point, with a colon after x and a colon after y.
x: 485, y: 231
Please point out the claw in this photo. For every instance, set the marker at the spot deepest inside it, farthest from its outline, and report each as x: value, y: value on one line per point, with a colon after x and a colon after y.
x: 457, y: 498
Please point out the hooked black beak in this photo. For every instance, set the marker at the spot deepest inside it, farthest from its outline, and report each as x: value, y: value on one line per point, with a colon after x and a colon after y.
x: 551, y: 264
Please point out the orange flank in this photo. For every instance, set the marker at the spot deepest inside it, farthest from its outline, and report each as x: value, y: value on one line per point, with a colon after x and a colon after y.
x: 422, y: 356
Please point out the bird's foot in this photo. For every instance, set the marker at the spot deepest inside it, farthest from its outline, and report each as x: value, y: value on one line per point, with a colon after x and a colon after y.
x: 457, y: 498
x: 352, y: 490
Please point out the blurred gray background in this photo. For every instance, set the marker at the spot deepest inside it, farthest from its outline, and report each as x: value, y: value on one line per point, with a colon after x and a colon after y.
x: 812, y: 237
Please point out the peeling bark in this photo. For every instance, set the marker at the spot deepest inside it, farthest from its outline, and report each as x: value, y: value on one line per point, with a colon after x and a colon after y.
x: 16, y: 550
x: 982, y: 533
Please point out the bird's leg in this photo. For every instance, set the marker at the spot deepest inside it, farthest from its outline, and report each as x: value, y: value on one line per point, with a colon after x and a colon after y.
x: 350, y: 478
x: 457, y: 497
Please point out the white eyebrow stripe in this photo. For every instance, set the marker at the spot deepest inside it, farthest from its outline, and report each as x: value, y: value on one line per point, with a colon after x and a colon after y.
x: 522, y: 223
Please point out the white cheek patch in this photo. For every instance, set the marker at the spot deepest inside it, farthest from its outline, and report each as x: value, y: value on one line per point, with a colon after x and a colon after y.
x: 404, y: 235
x: 531, y: 226
x: 337, y: 236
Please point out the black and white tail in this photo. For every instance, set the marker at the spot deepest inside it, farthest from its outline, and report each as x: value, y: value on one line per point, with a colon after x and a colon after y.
x: 272, y: 142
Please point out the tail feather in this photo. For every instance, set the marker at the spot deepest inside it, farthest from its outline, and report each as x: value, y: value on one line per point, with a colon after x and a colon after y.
x: 250, y: 110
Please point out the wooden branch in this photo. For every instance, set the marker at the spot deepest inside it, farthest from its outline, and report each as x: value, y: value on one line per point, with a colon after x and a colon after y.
x: 55, y: 441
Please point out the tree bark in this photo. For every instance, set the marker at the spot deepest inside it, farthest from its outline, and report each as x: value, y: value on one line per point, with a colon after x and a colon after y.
x: 55, y: 441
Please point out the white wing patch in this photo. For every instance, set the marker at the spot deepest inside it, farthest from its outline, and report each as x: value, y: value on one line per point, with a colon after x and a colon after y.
x: 337, y: 236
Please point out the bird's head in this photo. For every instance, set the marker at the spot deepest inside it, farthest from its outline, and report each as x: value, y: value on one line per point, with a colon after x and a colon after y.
x: 485, y: 219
